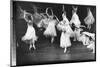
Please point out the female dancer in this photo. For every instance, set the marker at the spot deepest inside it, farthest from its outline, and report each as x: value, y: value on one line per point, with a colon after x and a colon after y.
x: 66, y: 32
x: 50, y: 23
x: 76, y: 21
x: 89, y: 19
x: 91, y: 44
x: 30, y: 34
x: 75, y: 18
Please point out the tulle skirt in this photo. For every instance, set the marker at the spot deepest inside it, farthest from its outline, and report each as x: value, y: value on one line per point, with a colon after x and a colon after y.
x: 88, y: 20
x: 50, y: 30
x: 65, y: 40
x: 66, y: 28
x: 85, y: 40
x: 30, y: 34
x: 65, y: 35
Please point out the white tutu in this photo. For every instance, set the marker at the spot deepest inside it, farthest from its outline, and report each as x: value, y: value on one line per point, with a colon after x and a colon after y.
x: 77, y: 33
x: 30, y: 34
x: 43, y: 23
x: 65, y: 40
x: 89, y: 19
x: 92, y: 35
x: 84, y: 39
x: 50, y: 30
x: 65, y: 35
x: 75, y: 20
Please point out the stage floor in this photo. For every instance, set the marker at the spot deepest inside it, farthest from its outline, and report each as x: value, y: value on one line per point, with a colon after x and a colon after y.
x: 51, y: 53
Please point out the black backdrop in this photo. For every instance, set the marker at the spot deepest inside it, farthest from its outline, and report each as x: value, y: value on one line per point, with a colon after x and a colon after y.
x: 20, y: 24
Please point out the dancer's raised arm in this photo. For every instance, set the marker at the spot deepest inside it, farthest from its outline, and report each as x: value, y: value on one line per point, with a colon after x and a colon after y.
x: 25, y: 15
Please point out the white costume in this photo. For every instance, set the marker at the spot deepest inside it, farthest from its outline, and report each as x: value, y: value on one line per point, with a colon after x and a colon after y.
x: 50, y: 30
x: 89, y: 19
x: 75, y: 20
x: 92, y: 35
x: 49, y: 25
x: 30, y: 35
x: 43, y: 23
x: 65, y: 36
x: 77, y: 33
x: 91, y: 44
x: 77, y: 23
x: 66, y: 33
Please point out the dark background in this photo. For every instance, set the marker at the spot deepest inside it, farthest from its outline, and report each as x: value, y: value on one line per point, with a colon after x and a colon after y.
x: 20, y: 26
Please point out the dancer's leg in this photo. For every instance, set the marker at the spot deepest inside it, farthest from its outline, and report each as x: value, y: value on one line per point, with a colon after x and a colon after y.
x: 33, y: 44
x: 65, y: 49
x: 30, y: 47
x: 89, y: 27
x: 52, y: 39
